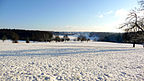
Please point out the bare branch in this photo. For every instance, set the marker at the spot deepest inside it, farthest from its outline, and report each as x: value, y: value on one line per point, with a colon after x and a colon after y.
x: 133, y: 22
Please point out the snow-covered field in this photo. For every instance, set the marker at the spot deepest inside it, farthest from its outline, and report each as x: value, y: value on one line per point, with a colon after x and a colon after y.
x: 71, y: 61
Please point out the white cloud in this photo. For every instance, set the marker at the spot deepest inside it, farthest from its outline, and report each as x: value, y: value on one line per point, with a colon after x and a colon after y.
x: 91, y: 28
x: 109, y: 12
x: 101, y: 16
x: 121, y: 13
x: 116, y: 18
x: 105, y: 14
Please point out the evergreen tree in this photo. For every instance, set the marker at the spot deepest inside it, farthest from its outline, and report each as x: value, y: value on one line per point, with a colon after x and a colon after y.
x: 4, y: 38
x: 15, y: 37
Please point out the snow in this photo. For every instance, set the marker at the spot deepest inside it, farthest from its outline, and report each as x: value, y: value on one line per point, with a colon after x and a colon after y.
x: 67, y: 61
x: 72, y: 37
x: 77, y: 34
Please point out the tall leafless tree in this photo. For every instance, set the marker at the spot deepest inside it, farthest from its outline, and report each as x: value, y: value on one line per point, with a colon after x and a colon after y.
x: 135, y: 22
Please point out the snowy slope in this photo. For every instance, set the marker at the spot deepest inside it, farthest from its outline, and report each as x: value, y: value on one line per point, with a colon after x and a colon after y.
x: 69, y: 61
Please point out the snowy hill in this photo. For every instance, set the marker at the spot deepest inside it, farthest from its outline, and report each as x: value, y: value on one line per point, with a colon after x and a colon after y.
x: 71, y: 61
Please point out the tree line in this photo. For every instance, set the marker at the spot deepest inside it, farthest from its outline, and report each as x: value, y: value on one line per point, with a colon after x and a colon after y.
x: 27, y: 35
x: 34, y: 35
x: 48, y: 36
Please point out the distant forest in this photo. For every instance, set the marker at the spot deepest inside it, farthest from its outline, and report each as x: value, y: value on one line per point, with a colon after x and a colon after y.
x: 48, y: 36
x: 33, y: 35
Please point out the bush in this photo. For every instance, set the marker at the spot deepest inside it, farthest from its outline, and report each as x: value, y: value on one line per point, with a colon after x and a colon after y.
x: 81, y: 38
x: 14, y: 41
x: 88, y: 40
x: 27, y: 41
x: 57, y: 39
x: 66, y: 38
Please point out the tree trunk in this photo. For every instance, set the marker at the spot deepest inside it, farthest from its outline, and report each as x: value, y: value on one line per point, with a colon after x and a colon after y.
x: 133, y: 44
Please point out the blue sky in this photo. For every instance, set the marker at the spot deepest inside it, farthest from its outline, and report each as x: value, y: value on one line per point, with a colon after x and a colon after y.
x: 65, y: 15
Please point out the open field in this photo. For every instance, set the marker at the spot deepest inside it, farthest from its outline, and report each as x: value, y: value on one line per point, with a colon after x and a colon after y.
x: 71, y: 61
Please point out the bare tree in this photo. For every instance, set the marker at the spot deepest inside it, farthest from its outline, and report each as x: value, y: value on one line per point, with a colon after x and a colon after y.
x: 135, y: 22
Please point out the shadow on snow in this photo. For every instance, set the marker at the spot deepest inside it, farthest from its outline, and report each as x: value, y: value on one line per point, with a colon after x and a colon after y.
x: 56, y: 52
